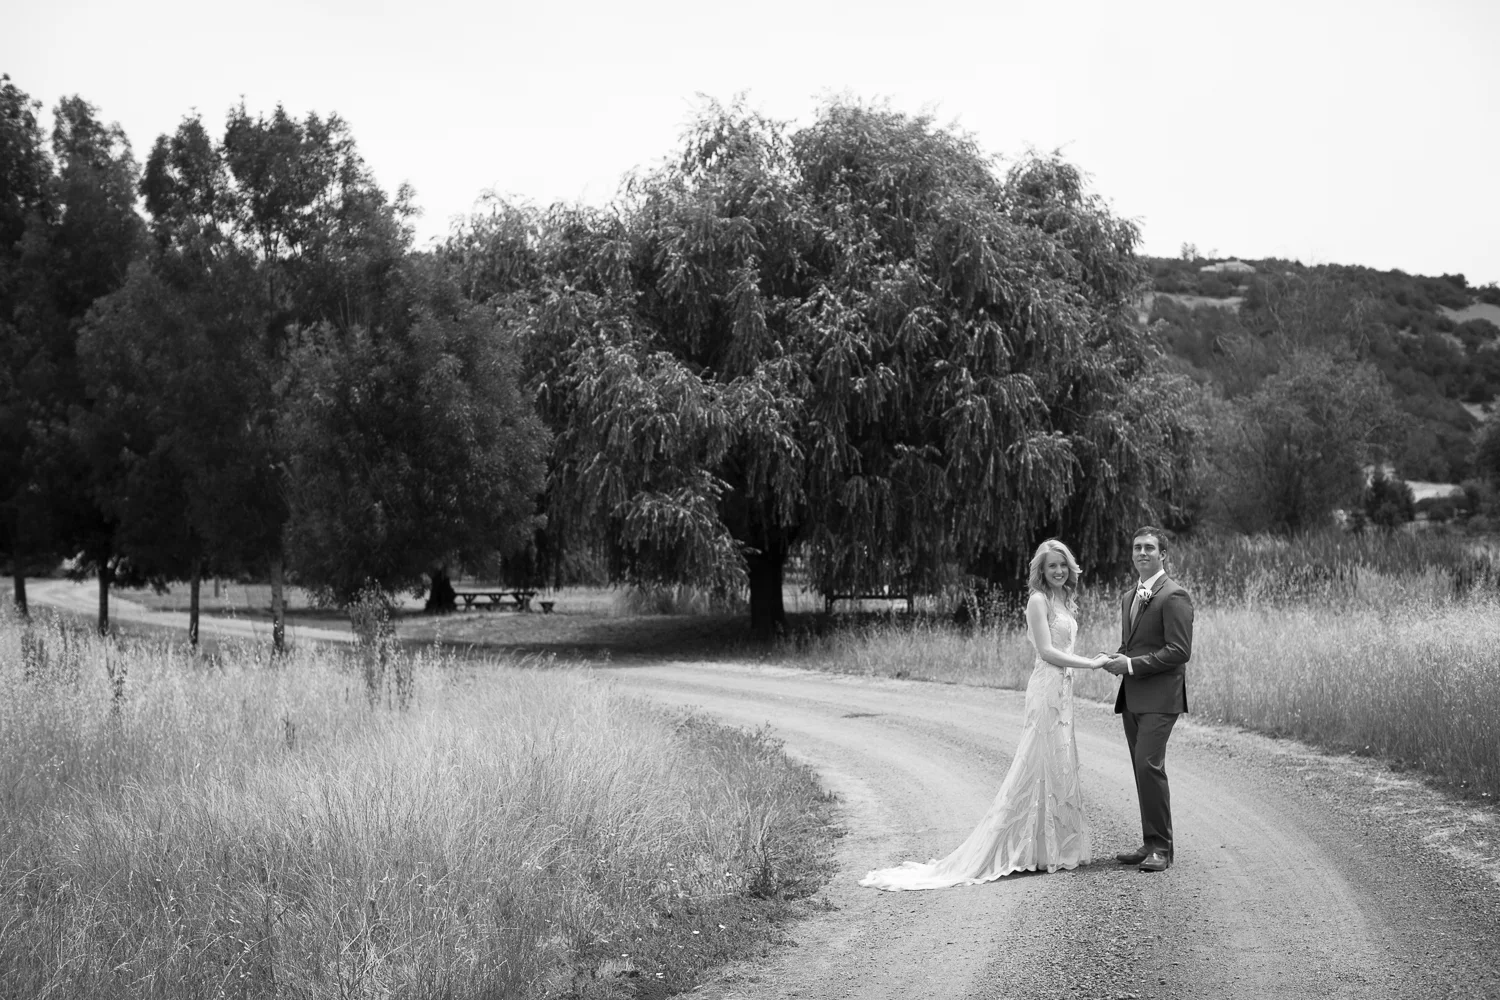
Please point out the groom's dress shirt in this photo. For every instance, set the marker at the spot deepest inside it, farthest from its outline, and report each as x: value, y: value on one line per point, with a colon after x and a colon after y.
x: 1146, y: 585
x: 1142, y: 595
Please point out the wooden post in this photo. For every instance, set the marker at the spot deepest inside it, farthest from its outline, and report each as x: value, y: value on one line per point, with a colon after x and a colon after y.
x: 278, y: 604
x: 193, y: 589
x: 106, y: 573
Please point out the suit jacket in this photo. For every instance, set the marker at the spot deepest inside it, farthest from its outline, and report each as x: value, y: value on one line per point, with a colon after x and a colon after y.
x: 1159, y: 646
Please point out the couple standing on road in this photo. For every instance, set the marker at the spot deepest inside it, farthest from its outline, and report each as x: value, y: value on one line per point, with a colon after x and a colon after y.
x: 1036, y: 821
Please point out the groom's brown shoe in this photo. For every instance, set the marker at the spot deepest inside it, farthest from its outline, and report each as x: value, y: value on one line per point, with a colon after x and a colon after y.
x: 1156, y: 861
x: 1135, y: 857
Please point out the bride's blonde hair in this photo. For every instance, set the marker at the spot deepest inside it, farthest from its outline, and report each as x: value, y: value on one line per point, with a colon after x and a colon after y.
x: 1036, y: 580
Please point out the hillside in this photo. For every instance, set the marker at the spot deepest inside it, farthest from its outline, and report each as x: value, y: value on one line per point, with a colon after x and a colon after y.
x: 1437, y: 340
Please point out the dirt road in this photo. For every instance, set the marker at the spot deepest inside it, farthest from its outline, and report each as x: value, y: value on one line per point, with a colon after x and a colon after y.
x: 83, y: 599
x: 1298, y: 874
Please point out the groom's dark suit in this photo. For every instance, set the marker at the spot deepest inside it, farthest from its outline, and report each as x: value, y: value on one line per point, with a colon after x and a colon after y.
x: 1158, y: 639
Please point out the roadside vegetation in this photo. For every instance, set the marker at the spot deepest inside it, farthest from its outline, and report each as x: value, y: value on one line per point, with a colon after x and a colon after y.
x: 1382, y: 645
x: 368, y: 823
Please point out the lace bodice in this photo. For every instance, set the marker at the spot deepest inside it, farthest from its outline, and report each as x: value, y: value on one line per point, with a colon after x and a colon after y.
x: 1064, y: 628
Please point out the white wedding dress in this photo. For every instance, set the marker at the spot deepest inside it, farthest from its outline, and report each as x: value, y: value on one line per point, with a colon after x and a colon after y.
x: 1036, y: 821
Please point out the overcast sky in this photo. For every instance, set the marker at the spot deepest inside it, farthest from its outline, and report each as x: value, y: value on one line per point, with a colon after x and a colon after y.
x: 1329, y: 132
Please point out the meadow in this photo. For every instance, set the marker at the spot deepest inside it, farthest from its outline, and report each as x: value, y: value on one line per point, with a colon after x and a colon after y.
x: 1379, y: 644
x: 393, y: 820
x: 375, y: 823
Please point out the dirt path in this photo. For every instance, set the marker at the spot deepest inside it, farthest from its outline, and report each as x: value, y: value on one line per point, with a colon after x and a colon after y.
x: 1298, y: 874
x: 83, y: 599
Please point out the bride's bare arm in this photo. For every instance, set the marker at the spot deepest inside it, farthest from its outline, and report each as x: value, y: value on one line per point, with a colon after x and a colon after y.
x: 1041, y: 638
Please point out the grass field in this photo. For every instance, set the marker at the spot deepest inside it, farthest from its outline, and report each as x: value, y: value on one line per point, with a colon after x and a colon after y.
x: 1402, y: 666
x: 179, y: 824
x: 231, y: 825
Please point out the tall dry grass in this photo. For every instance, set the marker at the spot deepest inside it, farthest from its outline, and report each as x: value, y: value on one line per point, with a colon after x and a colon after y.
x: 1418, y: 681
x: 1405, y: 666
x: 177, y: 826
x: 1330, y: 566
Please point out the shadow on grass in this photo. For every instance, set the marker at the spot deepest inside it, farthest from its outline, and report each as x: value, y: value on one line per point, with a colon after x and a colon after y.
x: 593, y: 638
x: 635, y: 640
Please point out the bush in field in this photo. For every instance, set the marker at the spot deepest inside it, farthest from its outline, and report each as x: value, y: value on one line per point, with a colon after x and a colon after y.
x: 1387, y: 502
x: 1439, y: 510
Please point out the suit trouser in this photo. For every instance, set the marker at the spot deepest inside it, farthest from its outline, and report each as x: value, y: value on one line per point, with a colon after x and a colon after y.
x: 1146, y: 734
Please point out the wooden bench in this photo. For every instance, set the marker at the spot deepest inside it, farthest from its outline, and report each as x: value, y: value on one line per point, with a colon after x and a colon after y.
x: 830, y: 599
x: 518, y: 599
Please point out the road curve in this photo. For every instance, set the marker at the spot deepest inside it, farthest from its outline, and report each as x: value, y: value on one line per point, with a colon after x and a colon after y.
x: 83, y: 599
x: 1298, y: 874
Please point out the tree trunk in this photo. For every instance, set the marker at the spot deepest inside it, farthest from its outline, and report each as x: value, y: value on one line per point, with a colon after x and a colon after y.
x: 18, y: 564
x: 106, y: 576
x: 441, y: 599
x: 193, y: 589
x: 278, y: 604
x: 767, y: 613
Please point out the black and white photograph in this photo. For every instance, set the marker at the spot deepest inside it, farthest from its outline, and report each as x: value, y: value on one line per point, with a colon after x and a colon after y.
x: 789, y: 501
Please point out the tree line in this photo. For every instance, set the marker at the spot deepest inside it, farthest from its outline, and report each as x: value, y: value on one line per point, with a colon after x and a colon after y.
x: 862, y: 344
x: 1412, y: 329
x: 1322, y: 387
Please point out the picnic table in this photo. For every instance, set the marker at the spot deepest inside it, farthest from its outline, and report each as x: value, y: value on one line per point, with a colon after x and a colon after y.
x: 496, y: 598
x: 829, y: 600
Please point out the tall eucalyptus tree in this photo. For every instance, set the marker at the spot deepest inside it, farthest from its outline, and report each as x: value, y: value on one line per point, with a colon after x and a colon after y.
x: 25, y: 204
x: 79, y: 234
x: 274, y: 229
x: 361, y: 419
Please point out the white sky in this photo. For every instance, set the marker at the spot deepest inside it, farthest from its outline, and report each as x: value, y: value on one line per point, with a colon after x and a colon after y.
x: 1329, y: 131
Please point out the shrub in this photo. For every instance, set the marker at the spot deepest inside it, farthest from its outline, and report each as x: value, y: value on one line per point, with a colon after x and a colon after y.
x: 1387, y: 501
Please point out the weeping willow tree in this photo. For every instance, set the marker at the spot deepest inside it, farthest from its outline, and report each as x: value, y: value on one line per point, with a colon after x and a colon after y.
x: 861, y: 341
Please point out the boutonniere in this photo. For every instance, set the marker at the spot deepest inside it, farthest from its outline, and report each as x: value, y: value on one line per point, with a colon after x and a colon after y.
x: 1144, y: 596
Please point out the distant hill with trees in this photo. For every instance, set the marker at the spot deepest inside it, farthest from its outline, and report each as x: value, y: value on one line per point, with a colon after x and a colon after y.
x: 1434, y: 339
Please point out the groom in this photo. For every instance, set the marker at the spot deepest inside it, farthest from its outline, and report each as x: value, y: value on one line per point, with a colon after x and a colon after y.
x: 1156, y: 641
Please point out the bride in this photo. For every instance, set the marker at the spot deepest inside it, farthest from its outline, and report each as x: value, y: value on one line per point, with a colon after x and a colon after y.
x: 1036, y: 821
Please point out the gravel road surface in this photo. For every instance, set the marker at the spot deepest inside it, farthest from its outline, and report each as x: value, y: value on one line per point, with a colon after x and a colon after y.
x: 1298, y: 874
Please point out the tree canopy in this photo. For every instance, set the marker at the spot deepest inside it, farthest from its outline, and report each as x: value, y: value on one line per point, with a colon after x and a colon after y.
x: 312, y: 397
x: 861, y: 339
x: 407, y: 451
x: 78, y: 232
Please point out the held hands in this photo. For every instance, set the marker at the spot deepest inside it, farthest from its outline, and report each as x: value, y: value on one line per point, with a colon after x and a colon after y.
x: 1098, y: 660
x: 1116, y: 664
